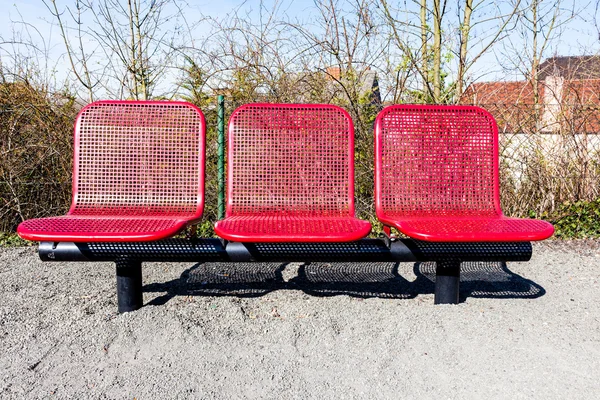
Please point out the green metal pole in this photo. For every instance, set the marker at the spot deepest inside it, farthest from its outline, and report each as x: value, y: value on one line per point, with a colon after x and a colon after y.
x: 221, y: 154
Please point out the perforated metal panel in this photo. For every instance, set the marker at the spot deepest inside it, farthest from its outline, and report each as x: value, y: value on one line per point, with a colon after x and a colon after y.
x: 438, y: 163
x: 294, y: 161
x: 403, y: 250
x: 139, y: 158
x: 138, y: 173
x: 290, y: 159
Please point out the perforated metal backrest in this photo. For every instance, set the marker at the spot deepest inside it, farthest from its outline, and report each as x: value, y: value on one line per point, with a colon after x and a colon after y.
x: 139, y: 157
x: 290, y: 159
x: 436, y: 160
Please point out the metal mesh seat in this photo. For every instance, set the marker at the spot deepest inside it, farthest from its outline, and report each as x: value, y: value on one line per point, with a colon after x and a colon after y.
x: 436, y: 176
x: 291, y: 175
x: 138, y: 174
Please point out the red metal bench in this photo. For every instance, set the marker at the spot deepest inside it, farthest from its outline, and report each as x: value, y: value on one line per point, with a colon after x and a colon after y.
x: 139, y: 177
x: 436, y: 176
x: 138, y: 174
x: 291, y: 175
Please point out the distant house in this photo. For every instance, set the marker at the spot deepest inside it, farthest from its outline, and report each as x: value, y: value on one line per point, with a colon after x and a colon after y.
x: 569, y: 91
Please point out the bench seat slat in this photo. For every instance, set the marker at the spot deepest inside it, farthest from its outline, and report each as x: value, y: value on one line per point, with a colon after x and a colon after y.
x: 99, y: 229
x: 471, y: 229
x: 285, y: 229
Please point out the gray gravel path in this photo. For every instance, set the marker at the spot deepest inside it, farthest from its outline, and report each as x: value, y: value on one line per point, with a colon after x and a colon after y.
x: 317, y: 331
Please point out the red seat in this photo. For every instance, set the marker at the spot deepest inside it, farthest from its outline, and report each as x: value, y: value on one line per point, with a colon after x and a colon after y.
x: 291, y: 175
x: 138, y: 174
x: 436, y: 176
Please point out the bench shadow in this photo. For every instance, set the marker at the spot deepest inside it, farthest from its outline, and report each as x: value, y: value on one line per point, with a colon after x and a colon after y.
x: 487, y: 280
x: 222, y: 279
x: 360, y: 279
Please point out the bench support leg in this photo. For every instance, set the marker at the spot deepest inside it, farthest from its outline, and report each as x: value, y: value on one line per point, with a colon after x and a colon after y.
x: 447, y: 282
x: 129, y: 285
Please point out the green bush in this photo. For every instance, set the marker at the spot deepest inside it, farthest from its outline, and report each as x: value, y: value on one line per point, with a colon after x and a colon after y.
x: 579, y: 220
x: 13, y: 240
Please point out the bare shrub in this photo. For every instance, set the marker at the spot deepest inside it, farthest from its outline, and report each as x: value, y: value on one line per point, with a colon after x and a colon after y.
x: 36, y: 144
x: 543, y: 168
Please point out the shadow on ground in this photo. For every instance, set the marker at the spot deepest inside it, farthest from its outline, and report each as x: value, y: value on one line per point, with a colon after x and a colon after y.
x: 364, y: 280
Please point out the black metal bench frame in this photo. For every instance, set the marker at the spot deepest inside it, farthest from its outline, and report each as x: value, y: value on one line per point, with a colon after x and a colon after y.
x: 129, y: 256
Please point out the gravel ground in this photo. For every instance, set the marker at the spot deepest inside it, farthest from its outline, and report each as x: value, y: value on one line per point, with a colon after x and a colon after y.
x: 315, y: 331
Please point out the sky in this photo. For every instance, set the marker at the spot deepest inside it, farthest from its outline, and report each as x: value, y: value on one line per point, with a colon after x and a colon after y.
x: 19, y: 17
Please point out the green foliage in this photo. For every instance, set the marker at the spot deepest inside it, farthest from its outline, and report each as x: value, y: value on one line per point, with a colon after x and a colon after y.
x: 579, y: 220
x: 205, y: 229
x: 13, y: 240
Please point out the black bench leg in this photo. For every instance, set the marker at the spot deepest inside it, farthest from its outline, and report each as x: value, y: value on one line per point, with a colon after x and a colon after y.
x: 447, y: 282
x: 129, y: 285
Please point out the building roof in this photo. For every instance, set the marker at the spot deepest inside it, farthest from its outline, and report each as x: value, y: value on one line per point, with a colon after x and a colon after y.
x: 569, y: 91
x: 498, y: 92
x: 573, y: 67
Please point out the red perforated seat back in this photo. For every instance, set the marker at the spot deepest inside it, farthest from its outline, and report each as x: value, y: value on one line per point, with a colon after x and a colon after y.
x: 436, y: 160
x: 139, y: 158
x: 290, y: 159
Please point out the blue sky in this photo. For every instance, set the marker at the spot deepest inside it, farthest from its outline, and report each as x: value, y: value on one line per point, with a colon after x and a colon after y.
x: 579, y: 36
